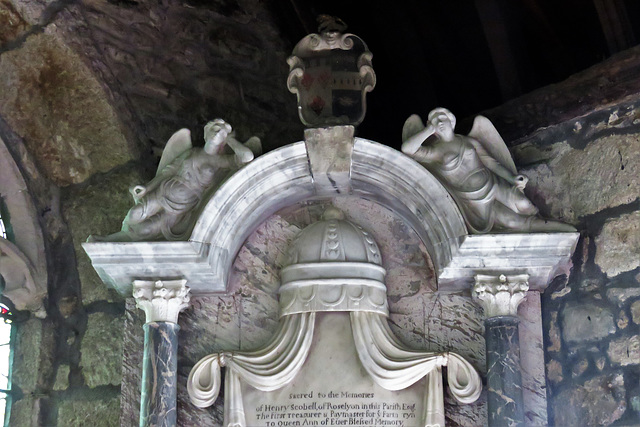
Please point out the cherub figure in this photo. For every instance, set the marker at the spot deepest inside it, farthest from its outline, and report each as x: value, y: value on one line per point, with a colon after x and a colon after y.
x: 165, y: 208
x: 478, y: 172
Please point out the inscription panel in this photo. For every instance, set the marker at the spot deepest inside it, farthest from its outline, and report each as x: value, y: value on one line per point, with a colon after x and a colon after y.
x: 333, y: 389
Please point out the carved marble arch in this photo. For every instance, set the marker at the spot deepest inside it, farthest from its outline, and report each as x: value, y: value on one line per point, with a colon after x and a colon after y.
x: 23, y: 261
x: 271, y: 182
x: 420, y: 317
x: 283, y: 178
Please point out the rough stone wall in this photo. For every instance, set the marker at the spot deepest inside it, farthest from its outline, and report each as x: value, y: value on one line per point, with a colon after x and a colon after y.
x: 583, y: 161
x: 90, y: 91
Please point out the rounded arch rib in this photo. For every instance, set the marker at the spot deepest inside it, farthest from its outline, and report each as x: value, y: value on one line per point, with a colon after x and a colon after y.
x: 283, y: 177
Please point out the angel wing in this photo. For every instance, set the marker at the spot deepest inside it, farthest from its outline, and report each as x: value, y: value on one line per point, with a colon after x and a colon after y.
x: 412, y: 126
x: 487, y: 135
x: 177, y: 144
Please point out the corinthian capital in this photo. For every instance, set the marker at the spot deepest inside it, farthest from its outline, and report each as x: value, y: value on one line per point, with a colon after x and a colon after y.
x: 500, y: 295
x: 161, y: 300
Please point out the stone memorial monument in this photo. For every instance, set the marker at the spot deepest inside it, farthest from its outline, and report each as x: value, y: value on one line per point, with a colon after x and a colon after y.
x: 335, y: 281
x: 334, y: 268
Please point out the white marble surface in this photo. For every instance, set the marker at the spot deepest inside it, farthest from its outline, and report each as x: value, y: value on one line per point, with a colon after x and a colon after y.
x: 333, y: 265
x: 500, y: 295
x: 478, y: 171
x: 330, y: 151
x: 394, y: 180
x: 540, y: 255
x: 282, y: 178
x: 274, y: 181
x: 331, y: 374
x: 420, y: 232
x: 346, y: 248
x: 118, y: 264
x: 161, y: 300
x: 247, y: 315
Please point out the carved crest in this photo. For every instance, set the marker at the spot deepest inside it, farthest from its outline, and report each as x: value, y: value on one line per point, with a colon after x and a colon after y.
x: 331, y: 73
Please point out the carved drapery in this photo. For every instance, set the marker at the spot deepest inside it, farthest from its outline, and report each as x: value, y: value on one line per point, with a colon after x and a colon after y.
x: 267, y: 369
x: 394, y: 367
x: 339, y: 263
x: 383, y: 356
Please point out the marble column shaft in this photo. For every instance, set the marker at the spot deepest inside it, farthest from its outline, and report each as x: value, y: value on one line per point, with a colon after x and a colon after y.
x: 504, y: 379
x: 500, y: 296
x: 162, y: 301
x: 159, y: 375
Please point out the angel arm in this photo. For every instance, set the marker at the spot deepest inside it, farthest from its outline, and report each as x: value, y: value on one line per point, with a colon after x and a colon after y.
x: 414, y: 134
x: 411, y: 145
x: 243, y: 154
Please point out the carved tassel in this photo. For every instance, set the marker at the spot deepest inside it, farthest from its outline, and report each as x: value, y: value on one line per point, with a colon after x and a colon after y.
x: 203, y: 384
x: 434, y: 399
x: 233, y: 406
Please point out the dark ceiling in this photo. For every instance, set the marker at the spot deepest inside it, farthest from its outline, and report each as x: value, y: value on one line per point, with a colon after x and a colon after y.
x: 467, y: 55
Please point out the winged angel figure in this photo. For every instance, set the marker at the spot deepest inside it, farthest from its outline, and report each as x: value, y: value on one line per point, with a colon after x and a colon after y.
x: 165, y: 208
x: 478, y: 171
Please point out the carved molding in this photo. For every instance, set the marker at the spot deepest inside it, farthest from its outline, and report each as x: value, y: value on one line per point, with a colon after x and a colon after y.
x: 333, y: 265
x: 542, y: 256
x: 334, y: 295
x: 161, y: 300
x: 500, y: 295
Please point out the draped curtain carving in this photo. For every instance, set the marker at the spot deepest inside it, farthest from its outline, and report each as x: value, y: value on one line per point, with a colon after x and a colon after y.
x: 384, y: 357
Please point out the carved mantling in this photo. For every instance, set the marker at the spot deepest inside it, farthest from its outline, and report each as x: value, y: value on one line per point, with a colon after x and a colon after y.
x: 310, y: 65
x: 500, y: 295
x: 161, y: 301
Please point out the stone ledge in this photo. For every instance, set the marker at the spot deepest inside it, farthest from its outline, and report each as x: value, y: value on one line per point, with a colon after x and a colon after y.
x: 540, y: 255
x: 119, y: 264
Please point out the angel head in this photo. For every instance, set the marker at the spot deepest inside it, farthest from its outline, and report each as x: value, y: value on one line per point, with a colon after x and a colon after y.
x: 443, y: 122
x: 215, y: 133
